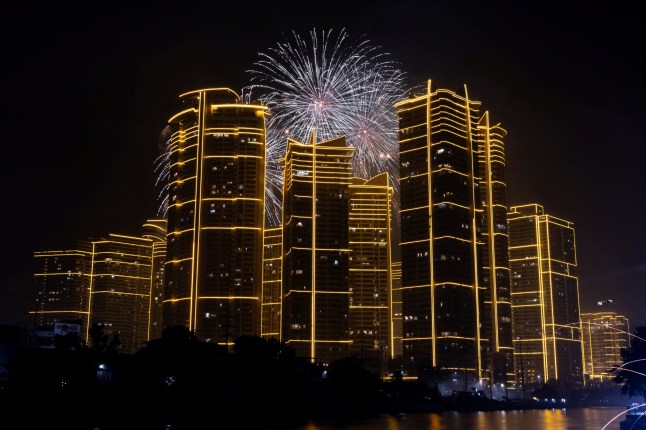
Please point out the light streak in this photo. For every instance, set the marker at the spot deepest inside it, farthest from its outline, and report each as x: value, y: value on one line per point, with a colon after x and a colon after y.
x: 622, y: 413
x: 611, y: 328
x: 617, y: 369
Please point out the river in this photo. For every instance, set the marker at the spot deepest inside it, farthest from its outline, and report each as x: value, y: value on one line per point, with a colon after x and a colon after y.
x: 557, y: 419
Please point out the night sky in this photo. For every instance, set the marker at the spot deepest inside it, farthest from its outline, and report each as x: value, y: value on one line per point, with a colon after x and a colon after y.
x: 88, y: 86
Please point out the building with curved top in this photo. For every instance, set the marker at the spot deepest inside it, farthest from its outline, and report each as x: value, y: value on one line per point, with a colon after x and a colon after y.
x: 213, y: 271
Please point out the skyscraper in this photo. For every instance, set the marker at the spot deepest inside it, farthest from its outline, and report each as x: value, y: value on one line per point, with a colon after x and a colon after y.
x: 545, y: 297
x: 605, y: 333
x: 120, y: 289
x: 370, y: 271
x: 113, y: 281
x: 315, y: 248
x: 216, y: 216
x: 61, y: 286
x: 455, y: 289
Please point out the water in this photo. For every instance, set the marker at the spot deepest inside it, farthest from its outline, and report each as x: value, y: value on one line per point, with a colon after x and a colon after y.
x: 558, y: 419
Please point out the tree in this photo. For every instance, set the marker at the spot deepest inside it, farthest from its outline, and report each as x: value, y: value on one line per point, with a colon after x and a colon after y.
x: 101, y: 342
x: 632, y: 373
x: 99, y: 338
x: 68, y: 342
x: 114, y: 344
x: 352, y: 383
x: 549, y: 390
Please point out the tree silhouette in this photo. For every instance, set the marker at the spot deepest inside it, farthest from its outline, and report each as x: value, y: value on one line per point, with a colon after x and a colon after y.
x: 632, y: 374
x: 68, y: 342
x: 98, y: 337
x: 114, y: 344
x: 549, y: 390
x: 101, y: 342
x: 352, y: 383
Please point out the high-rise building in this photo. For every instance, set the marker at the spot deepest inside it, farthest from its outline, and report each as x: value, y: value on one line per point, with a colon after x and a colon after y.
x: 495, y: 315
x: 215, y: 216
x: 62, y: 286
x: 114, y: 281
x: 370, y: 271
x: 604, y: 336
x: 455, y: 277
x: 121, y: 280
x: 272, y: 282
x: 545, y: 298
x: 155, y: 230
x: 315, y: 248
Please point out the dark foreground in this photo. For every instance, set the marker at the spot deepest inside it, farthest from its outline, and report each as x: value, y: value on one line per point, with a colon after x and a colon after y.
x: 184, y: 383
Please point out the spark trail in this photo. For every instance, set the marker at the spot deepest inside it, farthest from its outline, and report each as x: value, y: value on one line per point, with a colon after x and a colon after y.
x: 337, y: 84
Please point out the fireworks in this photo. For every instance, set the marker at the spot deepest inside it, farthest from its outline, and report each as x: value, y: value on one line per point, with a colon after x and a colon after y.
x: 162, y: 172
x: 338, y: 85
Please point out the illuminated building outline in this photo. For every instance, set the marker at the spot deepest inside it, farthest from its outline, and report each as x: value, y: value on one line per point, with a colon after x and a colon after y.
x: 315, y: 248
x: 464, y: 156
x: 216, y: 216
x: 545, y: 297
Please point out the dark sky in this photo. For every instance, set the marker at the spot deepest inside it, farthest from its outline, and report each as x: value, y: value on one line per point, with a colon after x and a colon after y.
x: 87, y: 87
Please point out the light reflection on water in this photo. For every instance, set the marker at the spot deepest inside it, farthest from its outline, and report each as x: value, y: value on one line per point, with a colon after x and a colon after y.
x: 559, y: 419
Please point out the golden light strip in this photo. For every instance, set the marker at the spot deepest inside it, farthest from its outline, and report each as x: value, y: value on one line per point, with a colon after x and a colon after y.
x: 539, y: 251
x: 429, y: 190
x: 89, y: 302
x: 473, y: 230
x: 313, y: 256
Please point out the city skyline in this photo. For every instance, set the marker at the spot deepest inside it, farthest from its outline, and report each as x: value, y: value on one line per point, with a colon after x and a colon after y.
x: 79, y: 181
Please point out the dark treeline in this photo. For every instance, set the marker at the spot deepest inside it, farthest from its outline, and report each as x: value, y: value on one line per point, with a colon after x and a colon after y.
x: 180, y: 380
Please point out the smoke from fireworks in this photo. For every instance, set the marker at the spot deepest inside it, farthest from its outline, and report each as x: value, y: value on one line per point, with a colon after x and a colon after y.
x: 338, y: 85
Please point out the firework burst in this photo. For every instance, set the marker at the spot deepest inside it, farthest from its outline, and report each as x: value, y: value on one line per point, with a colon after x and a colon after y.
x: 340, y: 86
x: 161, y: 169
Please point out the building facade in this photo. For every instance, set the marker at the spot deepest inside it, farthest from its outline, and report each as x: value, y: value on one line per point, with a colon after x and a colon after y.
x: 545, y: 298
x: 396, y: 323
x: 316, y: 249
x: 121, y: 280
x: 495, y: 291
x: 155, y: 230
x: 455, y: 289
x: 215, y: 216
x: 61, y: 287
x: 272, y: 283
x: 605, y: 334
x: 370, y: 278
x: 114, y: 281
